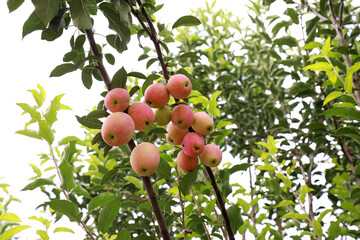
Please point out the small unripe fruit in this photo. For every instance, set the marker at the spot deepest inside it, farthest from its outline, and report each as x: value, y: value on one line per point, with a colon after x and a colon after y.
x: 162, y: 116
x: 203, y: 124
x: 142, y: 115
x: 117, y: 100
x: 157, y: 95
x: 193, y: 144
x: 145, y: 158
x: 175, y: 135
x: 179, y: 86
x: 182, y: 116
x: 211, y: 156
x: 117, y: 129
x: 186, y: 163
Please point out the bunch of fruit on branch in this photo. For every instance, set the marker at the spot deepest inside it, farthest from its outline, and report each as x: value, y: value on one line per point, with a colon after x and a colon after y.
x: 184, y: 127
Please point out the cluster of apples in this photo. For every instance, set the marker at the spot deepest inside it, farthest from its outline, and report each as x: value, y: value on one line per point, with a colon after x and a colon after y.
x: 186, y: 128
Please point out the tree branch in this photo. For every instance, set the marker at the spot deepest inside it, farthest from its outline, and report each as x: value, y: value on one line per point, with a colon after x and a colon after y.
x: 220, y: 203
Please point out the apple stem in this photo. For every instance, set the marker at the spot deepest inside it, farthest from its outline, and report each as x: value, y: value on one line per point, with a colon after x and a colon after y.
x: 156, y: 208
x: 152, y: 34
x: 99, y: 65
x: 220, y: 203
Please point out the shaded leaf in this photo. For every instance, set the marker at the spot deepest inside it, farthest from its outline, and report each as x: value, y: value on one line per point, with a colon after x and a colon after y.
x: 187, y: 181
x: 14, y: 4
x: 108, y: 214
x: 186, y: 21
x: 66, y: 207
x: 46, y: 9
x: 62, y: 69
x: 80, y: 14
x: 37, y: 183
x: 33, y: 23
x: 101, y: 200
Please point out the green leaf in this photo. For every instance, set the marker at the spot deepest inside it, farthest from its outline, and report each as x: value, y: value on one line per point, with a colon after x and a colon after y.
x: 346, y: 112
x: 137, y: 75
x: 222, y: 124
x: 295, y: 215
x: 332, y: 96
x: 236, y: 220
x: 212, y: 106
x: 46, y: 9
x: 186, y: 21
x: 124, y: 234
x: 209, y: 208
x: 303, y: 191
x: 312, y: 45
x: 8, y: 234
x: 293, y: 14
x: 271, y: 145
x: 134, y: 90
x: 80, y: 191
x: 14, y: 4
x: 164, y: 169
x: 285, y: 179
x: 45, y: 131
x: 86, y: 77
x: 43, y: 234
x: 289, y: 41
x: 31, y: 110
x: 68, y: 139
x: 187, y: 181
x: 349, y: 79
x: 62, y: 69
x: 32, y: 24
x: 63, y: 229
x: 323, y: 214
x: 319, y: 66
x: 51, y: 112
x: 29, y: 133
x: 80, y: 14
x: 332, y: 76
x: 92, y: 123
x: 150, y: 62
x: 100, y: 200
x: 119, y: 79
x: 285, y: 203
x: 334, y: 230
x: 317, y: 228
x: 66, y: 207
x: 66, y: 171
x: 37, y: 96
x: 239, y: 167
x: 108, y: 214
x: 37, y: 183
x: 108, y: 175
x: 189, y: 55
x: 110, y: 58
x: 9, y: 217
x: 135, y: 181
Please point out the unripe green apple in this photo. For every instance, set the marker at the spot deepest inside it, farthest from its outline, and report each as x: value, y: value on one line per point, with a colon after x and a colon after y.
x: 193, y: 144
x: 157, y: 95
x: 211, y: 156
x: 203, y: 124
x: 145, y: 158
x: 162, y: 116
x: 175, y: 135
x: 117, y: 100
x: 179, y: 86
x: 182, y: 116
x: 117, y: 129
x: 186, y: 163
x: 142, y: 115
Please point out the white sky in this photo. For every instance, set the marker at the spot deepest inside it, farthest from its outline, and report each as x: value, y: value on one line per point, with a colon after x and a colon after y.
x: 28, y: 62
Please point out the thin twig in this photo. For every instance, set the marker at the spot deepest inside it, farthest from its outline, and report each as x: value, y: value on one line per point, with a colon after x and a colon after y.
x: 252, y: 213
x: 181, y: 203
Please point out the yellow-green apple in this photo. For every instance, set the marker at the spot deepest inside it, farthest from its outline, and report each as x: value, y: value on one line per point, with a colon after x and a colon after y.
x: 193, y: 144
x: 182, y: 116
x: 117, y: 129
x: 162, y: 116
x: 145, y: 158
x: 117, y: 100
x: 203, y: 124
x: 175, y: 135
x: 211, y: 156
x: 179, y: 86
x: 157, y: 95
x: 186, y: 163
x: 142, y: 115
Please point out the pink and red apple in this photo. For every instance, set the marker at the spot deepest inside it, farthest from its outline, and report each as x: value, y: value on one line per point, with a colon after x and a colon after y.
x: 157, y: 95
x: 162, y: 116
x: 186, y: 163
x: 117, y: 129
x: 117, y: 100
x: 211, y: 156
x: 203, y: 124
x: 182, y: 116
x: 142, y: 115
x: 145, y: 158
x: 193, y: 144
x: 179, y: 86
x: 175, y: 135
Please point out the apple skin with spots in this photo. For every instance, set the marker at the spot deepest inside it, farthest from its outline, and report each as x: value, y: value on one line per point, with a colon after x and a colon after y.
x: 179, y: 86
x: 203, y: 124
x: 117, y: 129
x: 157, y: 95
x: 182, y: 116
x: 117, y: 100
x: 175, y: 135
x: 211, y: 156
x: 162, y: 116
x: 142, y: 115
x: 193, y: 144
x: 145, y: 159
x: 186, y: 163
